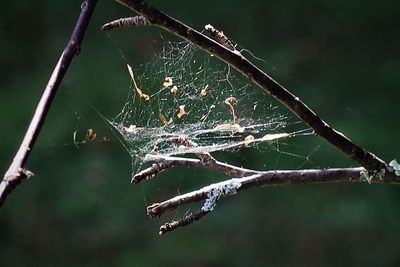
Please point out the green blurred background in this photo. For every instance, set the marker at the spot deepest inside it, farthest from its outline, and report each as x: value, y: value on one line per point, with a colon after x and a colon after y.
x: 340, y: 57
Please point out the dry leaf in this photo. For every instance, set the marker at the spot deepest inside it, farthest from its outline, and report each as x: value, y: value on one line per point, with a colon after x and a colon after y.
x: 204, y: 91
x: 229, y: 126
x: 167, y: 82
x: 182, y: 111
x: 145, y: 97
x: 174, y: 89
x: 90, y: 135
x: 230, y: 101
x: 138, y: 90
x: 271, y: 137
x: 164, y: 120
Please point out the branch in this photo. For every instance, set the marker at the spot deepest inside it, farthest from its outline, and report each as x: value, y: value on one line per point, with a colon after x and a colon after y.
x: 213, y: 192
x: 365, y: 158
x: 126, y: 22
x: 166, y: 162
x: 188, y: 219
x: 151, y: 171
x: 16, y: 171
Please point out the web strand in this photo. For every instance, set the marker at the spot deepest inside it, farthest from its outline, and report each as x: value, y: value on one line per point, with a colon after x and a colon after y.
x: 191, y: 95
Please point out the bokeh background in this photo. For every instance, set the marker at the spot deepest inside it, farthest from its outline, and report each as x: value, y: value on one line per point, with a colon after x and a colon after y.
x: 340, y: 57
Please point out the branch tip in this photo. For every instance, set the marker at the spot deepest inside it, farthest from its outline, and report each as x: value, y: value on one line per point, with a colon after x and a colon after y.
x: 126, y: 22
x: 151, y: 171
x: 187, y: 220
x: 154, y: 210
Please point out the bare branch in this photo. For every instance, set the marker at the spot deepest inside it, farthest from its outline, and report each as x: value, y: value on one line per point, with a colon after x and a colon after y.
x: 126, y: 22
x: 277, y: 177
x: 365, y: 158
x: 151, y: 171
x: 165, y: 162
x: 188, y: 219
x: 16, y: 171
x: 157, y: 209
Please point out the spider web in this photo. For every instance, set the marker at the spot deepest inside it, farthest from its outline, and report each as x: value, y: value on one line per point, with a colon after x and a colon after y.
x: 194, y: 96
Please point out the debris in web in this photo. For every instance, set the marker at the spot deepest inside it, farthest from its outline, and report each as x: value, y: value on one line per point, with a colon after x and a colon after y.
x: 186, y: 93
x: 126, y: 22
x: 220, y: 37
x: 138, y: 90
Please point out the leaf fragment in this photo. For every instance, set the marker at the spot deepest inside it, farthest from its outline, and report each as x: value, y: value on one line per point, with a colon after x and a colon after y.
x: 164, y: 120
x: 167, y: 82
x: 204, y: 91
x: 138, y: 90
x: 90, y: 135
x: 174, y: 89
x: 182, y: 111
x: 229, y: 126
x: 272, y: 137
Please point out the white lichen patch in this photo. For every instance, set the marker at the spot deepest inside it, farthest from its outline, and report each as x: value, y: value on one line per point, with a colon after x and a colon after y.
x: 396, y: 167
x: 365, y: 176
x: 215, y: 191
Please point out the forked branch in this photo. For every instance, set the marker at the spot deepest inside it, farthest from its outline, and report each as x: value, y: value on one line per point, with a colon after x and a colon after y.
x: 272, y: 178
x: 212, y: 193
x: 165, y: 162
x: 373, y: 170
x: 16, y: 171
x: 157, y: 18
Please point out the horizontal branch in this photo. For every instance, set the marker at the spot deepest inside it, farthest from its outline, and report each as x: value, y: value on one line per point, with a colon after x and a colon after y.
x: 166, y: 162
x: 271, y: 178
x: 365, y: 158
x: 16, y: 171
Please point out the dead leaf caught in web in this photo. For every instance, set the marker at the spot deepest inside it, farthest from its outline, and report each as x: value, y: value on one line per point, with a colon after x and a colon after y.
x: 182, y: 111
x: 138, y: 90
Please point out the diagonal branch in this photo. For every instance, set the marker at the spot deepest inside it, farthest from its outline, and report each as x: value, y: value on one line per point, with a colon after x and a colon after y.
x: 365, y: 158
x: 188, y: 219
x: 16, y: 171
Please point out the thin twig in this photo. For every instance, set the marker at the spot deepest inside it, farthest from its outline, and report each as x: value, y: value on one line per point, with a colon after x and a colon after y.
x: 151, y: 171
x: 126, y: 22
x: 166, y: 162
x: 365, y: 158
x: 271, y: 178
x: 188, y: 219
x: 16, y: 171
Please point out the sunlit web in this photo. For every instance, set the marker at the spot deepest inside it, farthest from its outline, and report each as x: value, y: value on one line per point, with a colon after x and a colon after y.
x: 184, y: 92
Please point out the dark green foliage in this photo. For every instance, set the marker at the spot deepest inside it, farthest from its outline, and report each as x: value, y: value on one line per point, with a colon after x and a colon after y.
x: 341, y: 58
